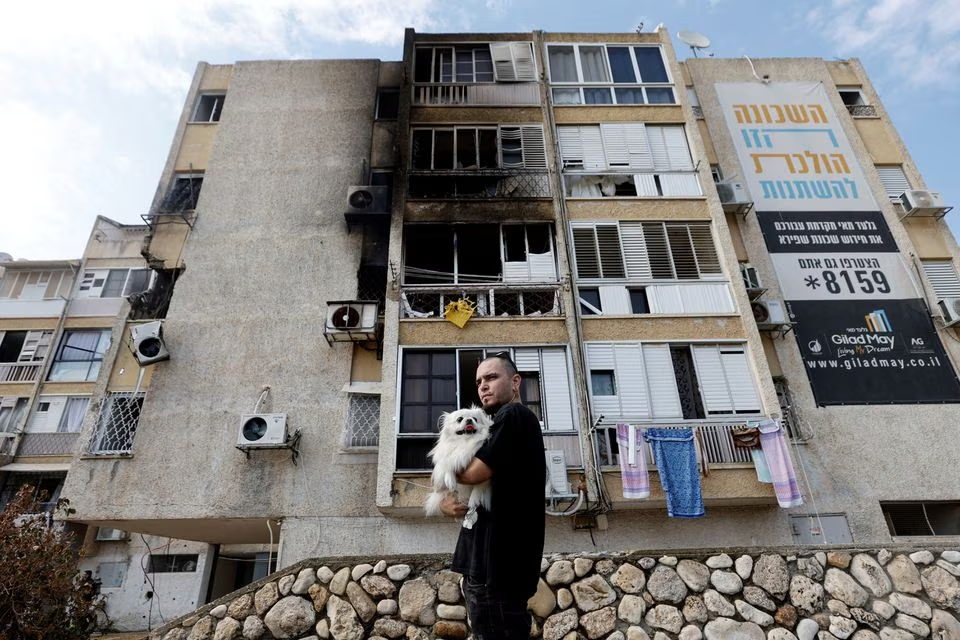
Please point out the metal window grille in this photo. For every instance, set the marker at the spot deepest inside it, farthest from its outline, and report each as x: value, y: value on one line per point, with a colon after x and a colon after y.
x: 363, y: 421
x: 117, y: 423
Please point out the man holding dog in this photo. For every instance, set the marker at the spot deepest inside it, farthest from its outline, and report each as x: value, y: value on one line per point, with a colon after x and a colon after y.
x: 499, y: 556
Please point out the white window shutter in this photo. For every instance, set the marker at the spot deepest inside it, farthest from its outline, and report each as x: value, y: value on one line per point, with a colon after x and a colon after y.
x: 615, y: 145
x: 714, y: 389
x: 743, y: 390
x: 534, y: 149
x: 680, y: 184
x: 513, y: 62
x: 631, y: 382
x: 600, y: 358
x: 664, y: 298
x: 571, y: 146
x: 678, y: 151
x: 635, y: 134
x: 634, y: 250
x: 47, y: 421
x: 646, y: 184
x: 593, y: 153
x: 661, y: 382
x: 609, y: 250
x: 527, y: 359
x: 658, y: 148
x: 943, y: 278
x: 556, y: 390
x: 894, y: 181
x: 615, y: 300
x: 33, y: 344
x: 92, y: 283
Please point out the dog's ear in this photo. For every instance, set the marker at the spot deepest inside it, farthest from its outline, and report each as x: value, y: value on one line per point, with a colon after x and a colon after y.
x: 441, y: 420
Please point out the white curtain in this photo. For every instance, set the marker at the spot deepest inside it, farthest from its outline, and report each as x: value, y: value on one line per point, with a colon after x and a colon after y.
x: 594, y: 65
x: 563, y: 66
x: 73, y: 414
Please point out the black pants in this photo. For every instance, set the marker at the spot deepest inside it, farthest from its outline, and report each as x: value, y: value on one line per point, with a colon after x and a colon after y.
x: 494, y: 618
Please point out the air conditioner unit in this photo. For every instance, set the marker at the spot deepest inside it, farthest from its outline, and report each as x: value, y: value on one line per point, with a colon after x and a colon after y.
x: 148, y: 345
x: 950, y: 310
x: 106, y: 534
x: 769, y: 313
x: 918, y: 202
x: 262, y: 430
x: 751, y: 279
x: 367, y: 199
x: 351, y: 320
x: 732, y: 193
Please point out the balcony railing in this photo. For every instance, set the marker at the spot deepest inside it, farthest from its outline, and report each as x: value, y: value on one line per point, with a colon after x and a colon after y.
x: 479, y: 184
x: 712, y: 438
x: 19, y: 371
x: 512, y: 94
x: 491, y: 300
x: 47, y: 444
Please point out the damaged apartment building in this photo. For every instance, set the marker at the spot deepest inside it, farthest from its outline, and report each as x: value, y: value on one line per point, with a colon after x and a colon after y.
x: 733, y: 249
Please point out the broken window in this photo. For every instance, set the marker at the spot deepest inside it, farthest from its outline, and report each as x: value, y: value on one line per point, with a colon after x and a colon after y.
x: 473, y: 253
x: 475, y: 63
x: 209, y: 106
x: 183, y: 194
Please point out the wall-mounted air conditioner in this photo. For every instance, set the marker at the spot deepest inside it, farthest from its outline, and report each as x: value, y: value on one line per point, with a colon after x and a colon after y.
x: 917, y: 202
x: 751, y: 279
x: 148, y: 345
x: 351, y: 320
x: 950, y: 310
x: 733, y: 193
x: 262, y: 430
x: 367, y: 199
x: 557, y: 484
x: 769, y: 313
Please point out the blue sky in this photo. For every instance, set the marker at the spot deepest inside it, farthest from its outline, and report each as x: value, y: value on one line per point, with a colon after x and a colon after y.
x: 90, y: 93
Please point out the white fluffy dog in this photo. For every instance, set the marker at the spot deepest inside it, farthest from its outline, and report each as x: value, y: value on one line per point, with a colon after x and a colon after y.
x: 461, y: 434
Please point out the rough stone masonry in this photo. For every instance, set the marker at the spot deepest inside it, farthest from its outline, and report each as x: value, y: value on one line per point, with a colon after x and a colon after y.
x: 824, y: 594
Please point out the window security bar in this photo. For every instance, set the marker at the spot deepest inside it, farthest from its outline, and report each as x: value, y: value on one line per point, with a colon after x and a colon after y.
x: 490, y: 301
x: 117, y: 424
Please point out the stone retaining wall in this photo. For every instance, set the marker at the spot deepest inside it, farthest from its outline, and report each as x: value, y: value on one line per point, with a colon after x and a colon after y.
x: 857, y: 594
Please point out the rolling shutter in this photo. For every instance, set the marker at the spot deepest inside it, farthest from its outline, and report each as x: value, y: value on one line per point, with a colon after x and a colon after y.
x: 943, y: 278
x: 894, y: 181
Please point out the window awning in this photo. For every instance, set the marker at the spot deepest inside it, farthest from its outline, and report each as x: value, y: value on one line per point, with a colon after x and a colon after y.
x: 36, y: 467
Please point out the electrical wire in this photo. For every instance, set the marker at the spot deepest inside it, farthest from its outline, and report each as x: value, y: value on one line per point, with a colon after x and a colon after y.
x: 153, y: 588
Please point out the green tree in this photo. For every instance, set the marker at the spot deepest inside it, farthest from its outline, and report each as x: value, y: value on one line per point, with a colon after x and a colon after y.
x: 41, y: 595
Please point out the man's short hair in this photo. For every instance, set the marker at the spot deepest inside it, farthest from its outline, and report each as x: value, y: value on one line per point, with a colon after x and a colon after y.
x: 504, y: 357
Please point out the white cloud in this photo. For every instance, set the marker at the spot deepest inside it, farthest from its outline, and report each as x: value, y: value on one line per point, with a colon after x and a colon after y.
x: 916, y: 38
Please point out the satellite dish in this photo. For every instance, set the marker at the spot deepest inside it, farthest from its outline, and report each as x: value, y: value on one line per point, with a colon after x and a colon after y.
x: 694, y: 40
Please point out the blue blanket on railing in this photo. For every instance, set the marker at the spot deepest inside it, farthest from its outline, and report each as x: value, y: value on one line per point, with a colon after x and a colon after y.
x: 675, y: 455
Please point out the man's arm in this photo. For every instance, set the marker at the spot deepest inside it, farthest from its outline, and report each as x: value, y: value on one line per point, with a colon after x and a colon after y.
x: 476, y: 472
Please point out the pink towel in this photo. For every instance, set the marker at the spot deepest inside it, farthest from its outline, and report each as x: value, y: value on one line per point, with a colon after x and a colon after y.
x: 776, y: 452
x: 633, y: 462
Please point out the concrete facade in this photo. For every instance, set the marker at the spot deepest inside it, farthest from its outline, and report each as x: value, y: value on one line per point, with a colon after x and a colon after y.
x: 265, y: 253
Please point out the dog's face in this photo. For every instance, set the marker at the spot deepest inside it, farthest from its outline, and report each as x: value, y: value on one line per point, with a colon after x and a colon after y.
x: 467, y: 425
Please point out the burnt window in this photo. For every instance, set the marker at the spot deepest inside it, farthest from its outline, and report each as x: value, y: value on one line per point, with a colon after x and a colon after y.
x: 183, y: 194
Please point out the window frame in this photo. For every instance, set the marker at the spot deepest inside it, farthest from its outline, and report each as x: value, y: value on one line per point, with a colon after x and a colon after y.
x: 646, y: 391
x: 183, y: 193
x: 609, y: 84
x: 114, y: 433
x: 95, y: 361
x: 531, y: 147
x: 555, y: 390
x: 510, y: 61
x: 214, y: 111
x: 351, y: 427
x: 96, y: 283
x: 393, y: 112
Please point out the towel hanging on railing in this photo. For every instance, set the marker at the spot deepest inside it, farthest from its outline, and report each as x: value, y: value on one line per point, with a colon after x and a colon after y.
x: 633, y: 462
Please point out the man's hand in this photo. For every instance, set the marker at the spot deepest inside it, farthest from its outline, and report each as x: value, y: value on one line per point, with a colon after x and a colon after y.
x: 452, y: 507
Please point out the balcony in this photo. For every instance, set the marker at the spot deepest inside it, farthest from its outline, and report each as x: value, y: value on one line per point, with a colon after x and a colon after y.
x: 476, y: 94
x: 713, y: 441
x: 47, y: 444
x: 19, y: 372
x: 491, y: 300
x: 676, y: 184
x: 479, y: 184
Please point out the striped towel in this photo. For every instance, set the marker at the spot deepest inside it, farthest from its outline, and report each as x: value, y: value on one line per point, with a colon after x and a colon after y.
x: 777, y: 454
x: 633, y: 462
x: 676, y: 457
